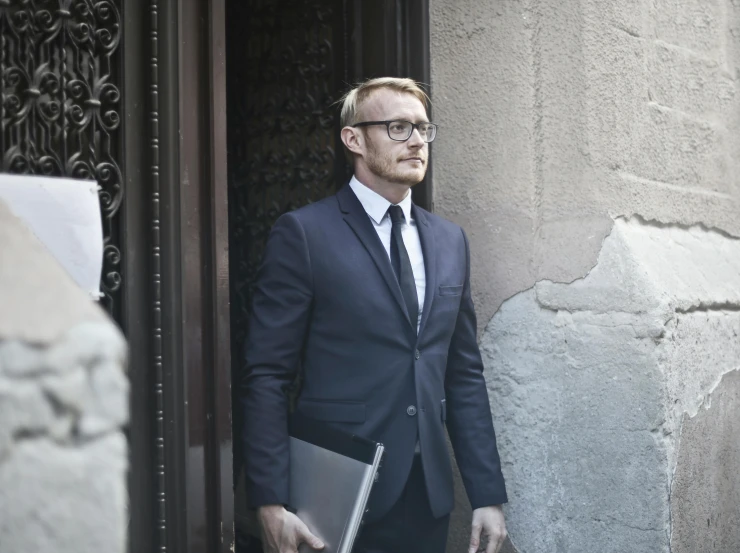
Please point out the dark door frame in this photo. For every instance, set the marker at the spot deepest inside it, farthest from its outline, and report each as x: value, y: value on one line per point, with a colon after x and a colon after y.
x: 175, y: 239
x: 194, y: 200
x: 177, y: 303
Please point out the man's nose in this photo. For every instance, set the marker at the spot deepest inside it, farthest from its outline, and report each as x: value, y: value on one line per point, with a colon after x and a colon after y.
x: 415, y: 139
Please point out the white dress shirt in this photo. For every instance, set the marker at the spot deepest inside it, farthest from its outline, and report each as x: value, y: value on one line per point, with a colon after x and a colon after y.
x: 376, y: 207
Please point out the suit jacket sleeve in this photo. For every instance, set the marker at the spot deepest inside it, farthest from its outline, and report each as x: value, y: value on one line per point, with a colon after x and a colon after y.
x: 469, y: 421
x: 280, y: 313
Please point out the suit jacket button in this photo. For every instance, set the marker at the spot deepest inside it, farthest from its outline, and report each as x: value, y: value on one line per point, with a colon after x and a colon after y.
x: 411, y: 411
x: 417, y: 354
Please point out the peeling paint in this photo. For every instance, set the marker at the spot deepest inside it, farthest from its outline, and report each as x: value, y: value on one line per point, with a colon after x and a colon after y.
x: 563, y: 121
x: 599, y: 373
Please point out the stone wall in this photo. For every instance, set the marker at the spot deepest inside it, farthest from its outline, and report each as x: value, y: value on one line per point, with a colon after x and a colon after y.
x: 593, y: 381
x: 575, y: 137
x: 63, y: 403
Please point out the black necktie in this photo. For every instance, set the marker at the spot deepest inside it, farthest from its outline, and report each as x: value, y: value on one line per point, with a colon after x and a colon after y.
x: 402, y: 265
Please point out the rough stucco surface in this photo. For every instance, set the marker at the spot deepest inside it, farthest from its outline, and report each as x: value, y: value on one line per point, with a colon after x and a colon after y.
x: 32, y: 308
x: 558, y: 118
x: 589, y: 384
x: 706, y: 490
x: 63, y: 404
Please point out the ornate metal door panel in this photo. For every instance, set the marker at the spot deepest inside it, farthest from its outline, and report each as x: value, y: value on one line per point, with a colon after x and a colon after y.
x: 284, y: 76
x: 60, y: 62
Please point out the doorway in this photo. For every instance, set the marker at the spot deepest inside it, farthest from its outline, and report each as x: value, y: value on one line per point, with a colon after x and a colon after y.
x: 287, y: 64
x: 285, y: 70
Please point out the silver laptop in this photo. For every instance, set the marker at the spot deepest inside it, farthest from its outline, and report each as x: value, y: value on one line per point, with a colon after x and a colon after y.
x: 331, y: 475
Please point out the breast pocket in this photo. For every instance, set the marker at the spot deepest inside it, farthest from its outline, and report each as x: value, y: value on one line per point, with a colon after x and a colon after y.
x: 455, y: 290
x: 332, y: 411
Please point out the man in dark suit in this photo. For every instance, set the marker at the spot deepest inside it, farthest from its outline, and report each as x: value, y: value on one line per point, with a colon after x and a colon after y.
x: 369, y: 297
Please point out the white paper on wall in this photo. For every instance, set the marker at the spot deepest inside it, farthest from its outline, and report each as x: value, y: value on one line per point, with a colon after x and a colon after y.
x: 65, y: 216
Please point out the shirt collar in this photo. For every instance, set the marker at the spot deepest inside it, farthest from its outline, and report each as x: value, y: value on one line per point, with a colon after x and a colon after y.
x: 376, y: 205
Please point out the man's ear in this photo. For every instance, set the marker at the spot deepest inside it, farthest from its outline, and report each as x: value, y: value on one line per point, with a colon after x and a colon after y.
x: 352, y: 140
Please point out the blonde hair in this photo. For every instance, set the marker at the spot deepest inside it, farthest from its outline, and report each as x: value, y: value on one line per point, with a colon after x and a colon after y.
x: 353, y: 99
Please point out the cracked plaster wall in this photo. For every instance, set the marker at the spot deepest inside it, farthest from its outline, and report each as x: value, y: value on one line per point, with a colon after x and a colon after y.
x: 590, y: 383
x: 705, y: 492
x: 558, y: 118
x: 63, y: 404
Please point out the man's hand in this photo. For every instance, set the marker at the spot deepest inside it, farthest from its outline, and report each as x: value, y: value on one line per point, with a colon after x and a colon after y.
x: 283, y: 532
x: 488, y: 522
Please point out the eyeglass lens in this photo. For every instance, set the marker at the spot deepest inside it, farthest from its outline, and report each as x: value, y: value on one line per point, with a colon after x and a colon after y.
x: 401, y: 130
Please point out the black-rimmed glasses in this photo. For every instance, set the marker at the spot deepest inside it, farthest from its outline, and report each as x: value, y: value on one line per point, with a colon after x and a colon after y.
x: 401, y: 130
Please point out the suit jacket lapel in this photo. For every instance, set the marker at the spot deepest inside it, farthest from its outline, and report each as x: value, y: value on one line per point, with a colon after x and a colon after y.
x: 359, y: 221
x: 429, y: 249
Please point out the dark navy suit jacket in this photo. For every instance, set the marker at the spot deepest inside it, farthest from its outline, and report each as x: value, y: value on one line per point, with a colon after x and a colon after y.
x: 328, y: 304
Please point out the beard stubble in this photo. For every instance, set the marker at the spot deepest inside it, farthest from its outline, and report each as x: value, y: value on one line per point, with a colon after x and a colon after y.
x: 385, y: 166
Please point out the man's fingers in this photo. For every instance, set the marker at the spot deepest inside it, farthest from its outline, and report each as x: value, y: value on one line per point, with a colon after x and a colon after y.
x: 496, y: 540
x: 474, y: 538
x: 306, y: 536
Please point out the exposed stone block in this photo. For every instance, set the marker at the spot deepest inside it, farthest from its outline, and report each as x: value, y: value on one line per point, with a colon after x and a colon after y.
x: 109, y: 407
x: 20, y: 359
x: 589, y: 383
x: 64, y: 499
x: 24, y: 411
x: 63, y: 404
x: 705, y: 492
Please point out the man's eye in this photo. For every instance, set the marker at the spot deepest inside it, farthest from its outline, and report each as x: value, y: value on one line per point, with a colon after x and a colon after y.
x: 398, y: 127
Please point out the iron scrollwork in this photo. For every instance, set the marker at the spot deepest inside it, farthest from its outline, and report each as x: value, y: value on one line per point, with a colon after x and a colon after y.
x: 282, y: 89
x: 60, y: 73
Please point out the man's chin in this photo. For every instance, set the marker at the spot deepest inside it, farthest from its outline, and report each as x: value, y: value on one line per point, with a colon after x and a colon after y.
x: 410, y: 178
